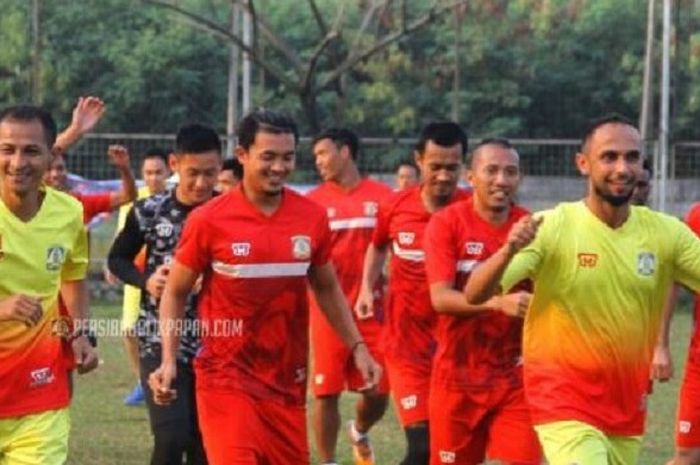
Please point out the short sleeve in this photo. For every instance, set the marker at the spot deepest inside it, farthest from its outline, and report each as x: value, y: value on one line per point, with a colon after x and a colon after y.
x: 380, y: 235
x: 94, y: 204
x: 76, y: 263
x: 686, y: 257
x: 321, y: 253
x: 527, y: 263
x: 440, y: 254
x: 193, y: 248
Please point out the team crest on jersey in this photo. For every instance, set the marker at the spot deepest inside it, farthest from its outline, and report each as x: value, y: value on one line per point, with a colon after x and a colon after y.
x: 61, y: 327
x: 301, y: 247
x: 371, y: 208
x: 164, y: 229
x: 447, y: 456
x: 55, y: 256
x: 474, y: 248
x: 240, y: 249
x: 587, y: 260
x: 646, y: 263
x: 406, y: 238
x: 330, y: 212
x: 41, y: 377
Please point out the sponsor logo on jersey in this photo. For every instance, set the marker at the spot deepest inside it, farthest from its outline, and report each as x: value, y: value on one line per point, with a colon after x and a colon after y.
x: 240, y: 249
x: 447, y: 456
x: 684, y: 427
x: 646, y: 263
x: 41, y: 377
x: 409, y: 402
x: 164, y: 229
x: 55, y: 256
x: 587, y: 260
x: 474, y: 248
x: 370, y: 208
x: 301, y: 247
x: 406, y: 238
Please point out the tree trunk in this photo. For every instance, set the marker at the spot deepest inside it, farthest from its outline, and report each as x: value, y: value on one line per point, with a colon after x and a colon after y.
x: 310, y: 106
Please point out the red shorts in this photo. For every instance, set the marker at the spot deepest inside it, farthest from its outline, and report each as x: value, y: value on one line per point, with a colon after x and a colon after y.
x: 468, y: 426
x: 333, y: 365
x: 688, y: 416
x: 410, y: 387
x: 239, y: 430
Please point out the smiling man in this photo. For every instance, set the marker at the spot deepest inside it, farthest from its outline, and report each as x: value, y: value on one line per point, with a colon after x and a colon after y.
x: 602, y: 272
x: 43, y: 249
x: 257, y: 247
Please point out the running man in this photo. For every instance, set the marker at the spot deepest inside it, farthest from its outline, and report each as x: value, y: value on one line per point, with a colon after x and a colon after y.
x: 156, y: 223
x: 601, y: 278
x: 351, y: 203
x: 408, y: 342
x: 43, y: 250
x: 257, y: 247
x: 477, y: 402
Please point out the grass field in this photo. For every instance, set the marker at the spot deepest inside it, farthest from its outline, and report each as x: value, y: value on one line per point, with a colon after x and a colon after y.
x: 107, y: 433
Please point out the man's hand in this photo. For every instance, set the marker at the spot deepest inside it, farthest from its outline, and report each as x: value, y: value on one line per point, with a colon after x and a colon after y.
x: 369, y: 369
x: 110, y: 278
x: 156, y: 282
x: 86, y: 114
x: 85, y: 355
x: 160, y: 381
x: 21, y: 307
x: 119, y: 156
x: 515, y: 304
x: 661, y: 364
x: 523, y: 232
x: 364, y: 304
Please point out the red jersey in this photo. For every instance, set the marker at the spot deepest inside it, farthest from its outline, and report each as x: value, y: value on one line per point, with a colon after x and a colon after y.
x: 352, y: 217
x: 483, y: 349
x: 693, y: 221
x: 93, y: 204
x: 253, y: 307
x: 410, y: 318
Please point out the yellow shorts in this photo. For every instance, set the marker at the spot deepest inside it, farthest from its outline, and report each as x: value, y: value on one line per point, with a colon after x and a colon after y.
x: 37, y: 439
x: 575, y: 442
x: 130, y: 307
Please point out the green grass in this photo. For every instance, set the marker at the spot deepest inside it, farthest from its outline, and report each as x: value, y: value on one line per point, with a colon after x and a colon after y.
x: 105, y: 432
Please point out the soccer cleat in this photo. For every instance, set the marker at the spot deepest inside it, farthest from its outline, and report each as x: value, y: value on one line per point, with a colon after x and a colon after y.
x: 135, y: 397
x: 362, y: 451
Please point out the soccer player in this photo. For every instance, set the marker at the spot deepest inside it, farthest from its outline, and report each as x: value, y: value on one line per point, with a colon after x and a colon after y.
x: 601, y: 275
x: 230, y: 175
x: 256, y: 247
x: 688, y: 415
x: 43, y: 249
x: 94, y: 204
x: 477, y: 402
x: 408, y: 339
x: 351, y: 203
x: 640, y: 195
x: 156, y: 223
x: 406, y: 175
x: 154, y: 172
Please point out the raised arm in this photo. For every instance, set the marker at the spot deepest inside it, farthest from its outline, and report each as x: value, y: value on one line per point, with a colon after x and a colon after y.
x: 86, y: 114
x: 119, y: 157
x: 484, y: 281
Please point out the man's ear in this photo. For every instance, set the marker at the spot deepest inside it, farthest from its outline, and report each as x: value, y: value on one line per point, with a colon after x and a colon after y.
x: 582, y: 163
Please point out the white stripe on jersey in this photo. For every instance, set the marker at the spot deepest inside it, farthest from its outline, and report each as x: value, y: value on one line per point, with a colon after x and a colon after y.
x: 262, y: 270
x: 410, y: 255
x: 353, y: 223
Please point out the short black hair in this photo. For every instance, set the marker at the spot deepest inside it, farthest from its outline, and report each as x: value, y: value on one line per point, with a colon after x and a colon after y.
x: 262, y: 120
x: 501, y: 142
x: 233, y: 165
x: 443, y: 133
x: 340, y: 137
x: 406, y: 162
x: 196, y: 138
x: 612, y: 118
x: 646, y: 166
x: 28, y: 113
x: 156, y: 152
